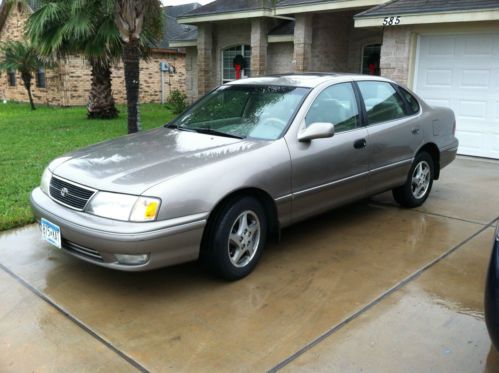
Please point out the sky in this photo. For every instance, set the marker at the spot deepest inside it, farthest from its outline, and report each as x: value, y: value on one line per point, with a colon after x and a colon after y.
x: 178, y: 2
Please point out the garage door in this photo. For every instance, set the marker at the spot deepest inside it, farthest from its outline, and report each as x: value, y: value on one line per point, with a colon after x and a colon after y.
x: 462, y: 72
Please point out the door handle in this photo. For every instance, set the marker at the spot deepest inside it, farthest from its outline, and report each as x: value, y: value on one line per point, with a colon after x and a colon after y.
x: 360, y: 144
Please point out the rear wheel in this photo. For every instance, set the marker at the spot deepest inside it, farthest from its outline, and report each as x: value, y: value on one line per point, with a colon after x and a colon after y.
x: 236, y: 239
x: 418, y: 185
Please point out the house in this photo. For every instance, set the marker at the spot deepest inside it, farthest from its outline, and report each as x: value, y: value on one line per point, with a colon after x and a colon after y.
x: 447, y: 51
x: 69, y: 83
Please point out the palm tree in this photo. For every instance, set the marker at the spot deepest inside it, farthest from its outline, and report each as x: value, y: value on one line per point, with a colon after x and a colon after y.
x: 60, y: 28
x: 23, y: 57
x: 139, y: 23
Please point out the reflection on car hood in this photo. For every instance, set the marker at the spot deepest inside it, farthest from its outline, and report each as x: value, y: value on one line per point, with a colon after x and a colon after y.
x: 134, y: 163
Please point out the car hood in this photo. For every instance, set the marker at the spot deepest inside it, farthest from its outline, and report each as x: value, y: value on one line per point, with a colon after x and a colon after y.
x: 134, y: 163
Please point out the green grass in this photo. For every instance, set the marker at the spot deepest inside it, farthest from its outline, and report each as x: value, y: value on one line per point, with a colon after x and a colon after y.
x: 29, y: 140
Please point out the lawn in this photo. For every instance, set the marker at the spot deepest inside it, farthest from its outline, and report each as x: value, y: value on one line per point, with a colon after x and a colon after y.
x: 29, y: 140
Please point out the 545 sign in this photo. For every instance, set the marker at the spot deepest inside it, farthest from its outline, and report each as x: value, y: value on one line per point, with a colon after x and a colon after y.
x: 392, y: 21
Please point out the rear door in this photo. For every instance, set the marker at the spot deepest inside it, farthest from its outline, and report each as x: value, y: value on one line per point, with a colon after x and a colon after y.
x: 394, y: 134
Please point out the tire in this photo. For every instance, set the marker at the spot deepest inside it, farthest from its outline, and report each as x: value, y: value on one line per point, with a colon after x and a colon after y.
x: 230, y: 249
x: 417, y: 187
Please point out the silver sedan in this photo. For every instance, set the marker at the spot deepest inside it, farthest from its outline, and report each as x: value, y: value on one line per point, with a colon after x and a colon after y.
x: 246, y: 160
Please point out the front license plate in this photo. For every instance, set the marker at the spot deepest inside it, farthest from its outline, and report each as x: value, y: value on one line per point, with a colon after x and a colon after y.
x: 51, y: 233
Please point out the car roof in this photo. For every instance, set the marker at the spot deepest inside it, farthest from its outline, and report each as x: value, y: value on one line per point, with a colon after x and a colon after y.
x: 308, y: 80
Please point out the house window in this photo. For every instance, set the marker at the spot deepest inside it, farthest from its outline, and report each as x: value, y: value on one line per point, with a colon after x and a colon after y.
x: 228, y: 55
x: 11, y: 77
x: 40, y: 78
x: 370, y: 59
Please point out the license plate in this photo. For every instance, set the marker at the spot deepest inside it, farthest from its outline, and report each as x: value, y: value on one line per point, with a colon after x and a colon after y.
x: 51, y: 233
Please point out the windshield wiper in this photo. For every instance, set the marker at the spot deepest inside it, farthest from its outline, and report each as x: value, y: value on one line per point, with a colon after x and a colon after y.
x: 209, y: 131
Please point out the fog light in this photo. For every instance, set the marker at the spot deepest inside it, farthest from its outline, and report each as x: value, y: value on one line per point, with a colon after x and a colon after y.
x: 132, y: 259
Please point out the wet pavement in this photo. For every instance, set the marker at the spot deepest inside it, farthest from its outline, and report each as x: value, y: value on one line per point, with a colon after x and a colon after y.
x: 367, y: 287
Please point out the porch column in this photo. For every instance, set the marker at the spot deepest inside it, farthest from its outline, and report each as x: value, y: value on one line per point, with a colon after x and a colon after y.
x: 205, y: 58
x: 303, y: 42
x: 259, y: 30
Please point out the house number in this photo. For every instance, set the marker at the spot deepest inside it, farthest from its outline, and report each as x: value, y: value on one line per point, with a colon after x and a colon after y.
x: 391, y: 21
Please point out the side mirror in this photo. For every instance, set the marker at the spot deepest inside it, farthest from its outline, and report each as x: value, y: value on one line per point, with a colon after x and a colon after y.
x: 316, y: 131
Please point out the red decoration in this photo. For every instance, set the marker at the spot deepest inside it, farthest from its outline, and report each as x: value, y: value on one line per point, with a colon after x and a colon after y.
x: 239, y: 65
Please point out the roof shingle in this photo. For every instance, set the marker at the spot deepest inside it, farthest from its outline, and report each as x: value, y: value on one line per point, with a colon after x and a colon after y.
x: 175, y: 31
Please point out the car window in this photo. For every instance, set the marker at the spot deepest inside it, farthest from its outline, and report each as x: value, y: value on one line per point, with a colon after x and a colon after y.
x: 336, y: 105
x: 382, y: 102
x: 259, y: 111
x: 411, y: 100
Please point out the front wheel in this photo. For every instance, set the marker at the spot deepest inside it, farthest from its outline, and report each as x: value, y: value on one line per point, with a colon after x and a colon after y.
x: 236, y: 238
x: 418, y: 185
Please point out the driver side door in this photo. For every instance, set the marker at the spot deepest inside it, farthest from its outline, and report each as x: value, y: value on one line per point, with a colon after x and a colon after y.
x: 333, y: 171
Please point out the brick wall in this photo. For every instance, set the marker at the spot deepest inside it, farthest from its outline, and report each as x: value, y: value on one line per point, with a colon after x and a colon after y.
x: 13, y: 29
x: 191, y: 72
x: 330, y: 42
x: 69, y: 83
x: 322, y: 42
x: 280, y: 58
x: 225, y: 35
x: 395, y: 54
x: 360, y: 38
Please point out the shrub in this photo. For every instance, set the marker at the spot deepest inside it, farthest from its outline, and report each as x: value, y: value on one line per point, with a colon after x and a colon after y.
x: 177, y: 101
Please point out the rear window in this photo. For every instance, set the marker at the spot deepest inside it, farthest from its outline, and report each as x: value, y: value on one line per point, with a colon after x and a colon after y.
x: 382, y: 101
x: 411, y: 100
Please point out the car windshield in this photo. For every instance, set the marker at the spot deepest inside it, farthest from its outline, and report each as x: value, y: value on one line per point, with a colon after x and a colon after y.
x: 260, y: 112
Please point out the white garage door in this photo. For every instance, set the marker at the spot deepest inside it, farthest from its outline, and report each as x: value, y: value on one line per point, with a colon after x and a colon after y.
x: 462, y: 72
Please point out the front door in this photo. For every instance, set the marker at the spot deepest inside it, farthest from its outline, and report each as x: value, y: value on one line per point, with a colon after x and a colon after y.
x: 332, y: 171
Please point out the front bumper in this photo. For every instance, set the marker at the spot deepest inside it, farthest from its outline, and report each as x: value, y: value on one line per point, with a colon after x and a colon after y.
x: 97, y: 240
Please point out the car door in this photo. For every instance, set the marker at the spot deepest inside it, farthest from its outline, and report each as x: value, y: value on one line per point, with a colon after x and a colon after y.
x: 394, y: 134
x: 331, y: 171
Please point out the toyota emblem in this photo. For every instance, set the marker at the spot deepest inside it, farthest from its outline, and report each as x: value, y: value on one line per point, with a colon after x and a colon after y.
x: 64, y: 192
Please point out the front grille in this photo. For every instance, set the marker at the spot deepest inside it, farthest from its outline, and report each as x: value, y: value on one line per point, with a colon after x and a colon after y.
x: 69, y: 194
x: 81, y: 250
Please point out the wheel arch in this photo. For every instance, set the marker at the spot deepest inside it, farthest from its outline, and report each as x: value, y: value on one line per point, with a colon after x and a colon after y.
x: 262, y: 196
x: 432, y: 149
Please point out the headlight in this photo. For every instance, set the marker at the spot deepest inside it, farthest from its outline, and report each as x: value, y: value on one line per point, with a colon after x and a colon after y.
x: 124, y: 207
x: 45, y: 183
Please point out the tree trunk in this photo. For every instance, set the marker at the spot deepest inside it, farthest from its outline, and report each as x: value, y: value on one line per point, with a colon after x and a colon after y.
x: 26, y: 77
x: 101, y: 102
x: 131, y: 61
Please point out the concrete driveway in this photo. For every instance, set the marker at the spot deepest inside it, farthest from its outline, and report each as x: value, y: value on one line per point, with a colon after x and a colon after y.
x: 369, y: 287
